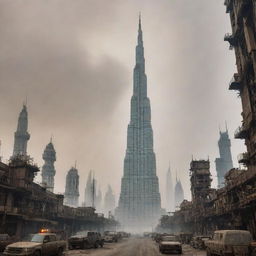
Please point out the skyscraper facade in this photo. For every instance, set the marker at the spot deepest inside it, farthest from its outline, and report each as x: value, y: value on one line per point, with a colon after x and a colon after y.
x: 48, y: 169
x: 139, y: 202
x: 224, y: 163
x: 169, y: 192
x: 21, y: 136
x: 72, y: 188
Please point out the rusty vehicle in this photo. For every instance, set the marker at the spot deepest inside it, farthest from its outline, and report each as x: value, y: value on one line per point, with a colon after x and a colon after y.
x: 229, y: 243
x: 5, y: 240
x: 85, y: 240
x: 111, y: 236
x: 41, y: 244
x: 170, y: 243
x: 198, y: 242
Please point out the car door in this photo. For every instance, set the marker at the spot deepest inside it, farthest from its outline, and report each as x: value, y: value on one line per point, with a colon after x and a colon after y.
x: 53, y: 245
x: 45, y: 246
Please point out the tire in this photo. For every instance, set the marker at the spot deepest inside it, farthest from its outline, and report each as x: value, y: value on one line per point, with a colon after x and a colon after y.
x: 60, y: 252
x: 101, y: 244
x: 96, y: 245
x: 37, y: 253
x: 208, y: 253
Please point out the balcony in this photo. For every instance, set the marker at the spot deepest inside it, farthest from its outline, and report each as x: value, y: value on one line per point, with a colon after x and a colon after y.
x: 232, y: 39
x: 243, y: 158
x: 241, y: 132
x: 228, y: 5
x: 235, y: 83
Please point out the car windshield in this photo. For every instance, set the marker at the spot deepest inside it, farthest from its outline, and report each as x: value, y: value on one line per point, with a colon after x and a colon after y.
x: 81, y: 233
x: 238, y: 238
x: 169, y: 238
x: 3, y: 237
x: 37, y: 238
x: 28, y: 238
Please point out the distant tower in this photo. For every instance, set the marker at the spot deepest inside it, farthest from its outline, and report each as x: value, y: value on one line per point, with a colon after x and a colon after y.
x: 178, y: 193
x: 224, y: 163
x: 72, y: 188
x: 169, y: 192
x: 88, y: 194
x: 109, y: 201
x: 48, y: 170
x: 21, y: 135
x: 98, y: 201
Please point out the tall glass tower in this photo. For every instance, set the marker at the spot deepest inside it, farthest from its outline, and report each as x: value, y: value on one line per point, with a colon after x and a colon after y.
x: 139, y: 203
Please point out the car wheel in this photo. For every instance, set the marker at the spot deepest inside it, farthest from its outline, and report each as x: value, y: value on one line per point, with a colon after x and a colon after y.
x: 208, y: 253
x: 37, y: 253
x: 96, y: 245
x: 60, y: 252
x: 102, y: 244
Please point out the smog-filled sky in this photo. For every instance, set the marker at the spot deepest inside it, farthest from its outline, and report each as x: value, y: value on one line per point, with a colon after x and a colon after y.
x: 74, y: 60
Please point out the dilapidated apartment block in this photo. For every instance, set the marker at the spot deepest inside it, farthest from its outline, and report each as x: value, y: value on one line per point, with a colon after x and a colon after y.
x: 26, y: 207
x: 233, y: 206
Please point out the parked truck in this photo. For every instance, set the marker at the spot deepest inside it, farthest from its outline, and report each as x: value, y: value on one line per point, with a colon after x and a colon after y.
x: 229, y: 243
x: 41, y: 244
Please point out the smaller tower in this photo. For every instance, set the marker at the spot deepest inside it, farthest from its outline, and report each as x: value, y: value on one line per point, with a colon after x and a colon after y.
x: 72, y: 188
x: 88, y: 194
x: 169, y: 191
x: 224, y: 163
x: 109, y: 201
x: 48, y: 170
x: 178, y: 193
x: 200, y: 178
x: 21, y: 136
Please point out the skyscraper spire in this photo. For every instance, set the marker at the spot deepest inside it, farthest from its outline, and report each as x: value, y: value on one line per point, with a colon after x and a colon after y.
x: 21, y: 136
x: 139, y: 203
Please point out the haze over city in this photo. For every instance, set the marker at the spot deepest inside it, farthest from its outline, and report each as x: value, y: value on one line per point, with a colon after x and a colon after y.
x: 73, y: 61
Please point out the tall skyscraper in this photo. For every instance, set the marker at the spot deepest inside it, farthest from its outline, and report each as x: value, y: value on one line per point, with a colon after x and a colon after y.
x: 109, y: 202
x: 48, y: 169
x: 169, y: 192
x: 88, y: 193
x: 21, y: 136
x: 224, y: 163
x: 98, y: 200
x: 178, y: 193
x: 139, y: 202
x: 72, y: 188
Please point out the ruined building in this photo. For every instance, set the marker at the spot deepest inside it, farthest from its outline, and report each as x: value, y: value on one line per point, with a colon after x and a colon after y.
x: 109, y: 202
x: 232, y: 206
x: 21, y: 136
x: 200, y: 178
x: 72, y: 188
x: 169, y: 192
x: 224, y: 163
x: 48, y: 169
x: 139, y: 203
x: 178, y: 193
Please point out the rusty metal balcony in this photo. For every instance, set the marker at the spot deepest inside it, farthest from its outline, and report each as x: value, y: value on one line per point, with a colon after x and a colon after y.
x: 241, y: 132
x: 235, y: 83
x: 243, y: 158
x: 228, y: 5
x: 232, y: 39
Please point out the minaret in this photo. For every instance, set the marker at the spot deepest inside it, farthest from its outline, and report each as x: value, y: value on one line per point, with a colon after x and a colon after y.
x: 72, y: 188
x: 179, y: 193
x: 224, y: 163
x: 48, y: 170
x: 21, y: 135
x: 109, y: 202
x: 139, y: 203
x: 169, y: 191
